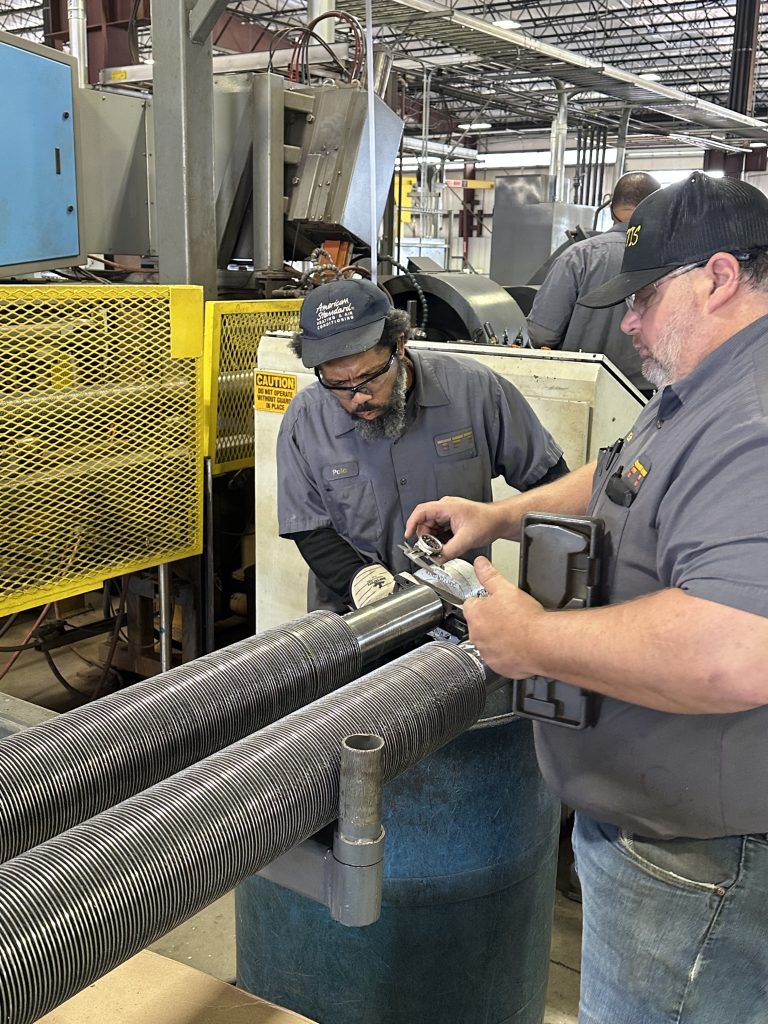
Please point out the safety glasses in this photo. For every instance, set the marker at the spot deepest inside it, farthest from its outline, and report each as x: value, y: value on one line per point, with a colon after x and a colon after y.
x: 362, y: 385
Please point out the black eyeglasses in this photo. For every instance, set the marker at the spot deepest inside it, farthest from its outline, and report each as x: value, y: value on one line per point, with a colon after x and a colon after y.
x: 350, y: 391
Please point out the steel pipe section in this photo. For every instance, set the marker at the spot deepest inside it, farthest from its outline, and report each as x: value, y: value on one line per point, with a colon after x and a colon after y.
x: 386, y: 625
x: 80, y: 904
x: 65, y: 770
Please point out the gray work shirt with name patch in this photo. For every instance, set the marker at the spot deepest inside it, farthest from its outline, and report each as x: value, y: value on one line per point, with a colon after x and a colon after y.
x: 465, y: 425
x: 582, y: 267
x: 698, y: 521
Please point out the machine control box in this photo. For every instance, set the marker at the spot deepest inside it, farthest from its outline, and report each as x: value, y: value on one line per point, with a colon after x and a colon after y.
x: 40, y: 225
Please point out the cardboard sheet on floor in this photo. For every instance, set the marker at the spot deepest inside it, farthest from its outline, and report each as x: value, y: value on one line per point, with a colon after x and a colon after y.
x: 151, y: 989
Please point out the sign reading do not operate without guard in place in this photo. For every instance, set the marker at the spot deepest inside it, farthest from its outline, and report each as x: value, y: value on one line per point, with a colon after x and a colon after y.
x: 274, y: 391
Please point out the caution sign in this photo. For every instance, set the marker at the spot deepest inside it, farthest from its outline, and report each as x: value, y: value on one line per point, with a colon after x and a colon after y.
x: 274, y: 390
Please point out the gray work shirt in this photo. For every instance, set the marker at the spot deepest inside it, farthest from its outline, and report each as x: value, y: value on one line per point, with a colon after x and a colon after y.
x: 465, y: 425
x: 582, y: 267
x: 697, y: 459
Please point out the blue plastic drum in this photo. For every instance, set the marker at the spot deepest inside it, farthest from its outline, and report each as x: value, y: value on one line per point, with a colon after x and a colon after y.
x: 469, y: 884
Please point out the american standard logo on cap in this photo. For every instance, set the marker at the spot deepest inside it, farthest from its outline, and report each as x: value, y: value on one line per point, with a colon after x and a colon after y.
x: 331, y: 313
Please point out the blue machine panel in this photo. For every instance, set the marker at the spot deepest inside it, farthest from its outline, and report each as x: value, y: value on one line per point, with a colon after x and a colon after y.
x: 38, y: 180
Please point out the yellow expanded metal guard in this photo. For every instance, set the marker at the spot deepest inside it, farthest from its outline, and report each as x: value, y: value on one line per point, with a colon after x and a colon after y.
x: 232, y: 334
x: 101, y: 435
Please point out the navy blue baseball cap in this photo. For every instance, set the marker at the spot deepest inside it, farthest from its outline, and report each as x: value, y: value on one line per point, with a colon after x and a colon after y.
x: 681, y: 224
x: 341, y: 318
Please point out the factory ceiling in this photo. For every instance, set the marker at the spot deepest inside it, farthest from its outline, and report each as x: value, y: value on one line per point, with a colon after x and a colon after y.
x: 668, y: 61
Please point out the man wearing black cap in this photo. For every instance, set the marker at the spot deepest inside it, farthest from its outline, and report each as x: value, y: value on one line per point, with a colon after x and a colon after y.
x: 384, y: 428
x: 670, y: 785
x: 558, y: 320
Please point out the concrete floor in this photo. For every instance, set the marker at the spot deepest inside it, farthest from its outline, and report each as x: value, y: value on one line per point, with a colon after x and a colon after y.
x: 206, y: 941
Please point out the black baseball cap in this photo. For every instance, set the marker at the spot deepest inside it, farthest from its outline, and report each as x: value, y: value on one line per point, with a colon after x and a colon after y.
x: 681, y: 224
x: 341, y: 318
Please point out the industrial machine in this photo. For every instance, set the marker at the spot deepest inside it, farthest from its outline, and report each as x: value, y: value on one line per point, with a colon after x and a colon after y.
x: 128, y: 816
x: 523, y: 209
x: 459, y: 307
x: 291, y: 173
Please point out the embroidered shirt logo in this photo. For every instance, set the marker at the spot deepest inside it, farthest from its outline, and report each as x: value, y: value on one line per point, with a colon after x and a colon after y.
x: 457, y: 441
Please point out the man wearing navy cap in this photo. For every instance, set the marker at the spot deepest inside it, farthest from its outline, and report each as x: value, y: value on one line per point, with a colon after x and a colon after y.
x: 383, y: 428
x: 670, y: 785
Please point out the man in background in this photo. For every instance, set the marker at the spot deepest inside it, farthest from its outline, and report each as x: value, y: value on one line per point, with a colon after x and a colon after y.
x: 557, y: 321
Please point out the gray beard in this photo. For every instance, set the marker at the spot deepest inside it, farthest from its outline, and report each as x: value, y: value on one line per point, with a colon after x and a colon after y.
x: 391, y: 422
x: 663, y: 367
x: 655, y: 373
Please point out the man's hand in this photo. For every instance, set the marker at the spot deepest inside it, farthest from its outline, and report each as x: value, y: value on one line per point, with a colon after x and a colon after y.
x: 502, y: 625
x: 459, y: 523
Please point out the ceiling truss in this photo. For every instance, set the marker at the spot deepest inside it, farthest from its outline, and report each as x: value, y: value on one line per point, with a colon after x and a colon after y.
x: 687, y: 44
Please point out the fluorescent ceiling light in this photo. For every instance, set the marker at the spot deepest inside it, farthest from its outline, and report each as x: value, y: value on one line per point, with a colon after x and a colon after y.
x: 475, y: 125
x: 507, y: 23
x: 758, y: 145
x: 651, y: 76
x: 438, y: 60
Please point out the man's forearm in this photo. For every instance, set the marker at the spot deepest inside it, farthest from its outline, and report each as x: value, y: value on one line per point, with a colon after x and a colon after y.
x: 543, y: 335
x: 331, y: 558
x: 669, y: 650
x: 665, y: 651
x: 567, y: 496
x: 462, y: 524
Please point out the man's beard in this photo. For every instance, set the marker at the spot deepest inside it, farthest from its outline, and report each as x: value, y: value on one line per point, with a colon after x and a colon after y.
x: 391, y: 422
x: 663, y: 367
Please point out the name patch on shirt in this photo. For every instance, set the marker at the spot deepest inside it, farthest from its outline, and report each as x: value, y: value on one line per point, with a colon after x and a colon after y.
x: 341, y: 471
x: 456, y: 442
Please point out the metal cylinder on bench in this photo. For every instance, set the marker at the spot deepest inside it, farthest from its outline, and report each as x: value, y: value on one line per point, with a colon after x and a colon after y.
x: 466, y: 916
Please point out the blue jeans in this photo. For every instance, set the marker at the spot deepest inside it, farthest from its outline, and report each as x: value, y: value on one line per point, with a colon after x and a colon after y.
x: 676, y: 931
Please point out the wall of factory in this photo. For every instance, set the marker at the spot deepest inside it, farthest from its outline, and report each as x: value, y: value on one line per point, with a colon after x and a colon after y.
x: 667, y: 166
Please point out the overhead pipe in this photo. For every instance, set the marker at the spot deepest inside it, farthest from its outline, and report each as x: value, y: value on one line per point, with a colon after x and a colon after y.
x: 601, y: 166
x: 78, y: 38
x: 621, y: 145
x: 325, y: 29
x: 558, y: 138
x: 746, y: 38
